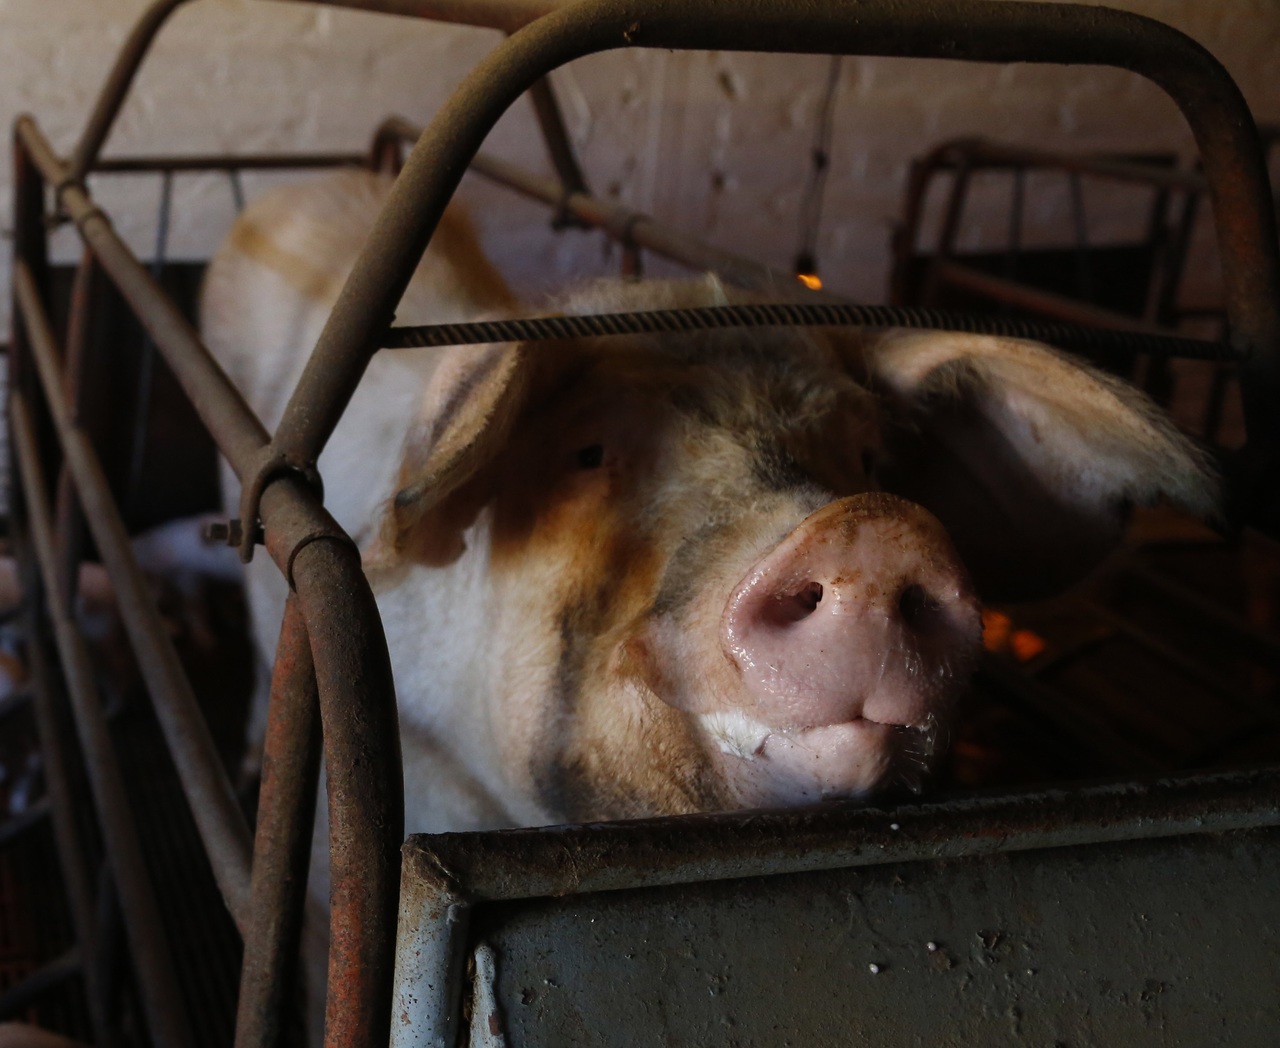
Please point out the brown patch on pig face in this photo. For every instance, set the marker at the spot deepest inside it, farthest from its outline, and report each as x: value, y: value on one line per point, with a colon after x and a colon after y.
x: 632, y: 499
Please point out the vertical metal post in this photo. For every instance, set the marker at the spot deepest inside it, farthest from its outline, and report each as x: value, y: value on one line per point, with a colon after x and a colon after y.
x: 282, y: 845
x: 158, y: 988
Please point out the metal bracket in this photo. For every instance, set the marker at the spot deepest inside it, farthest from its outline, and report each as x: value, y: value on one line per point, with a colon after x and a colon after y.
x: 246, y: 531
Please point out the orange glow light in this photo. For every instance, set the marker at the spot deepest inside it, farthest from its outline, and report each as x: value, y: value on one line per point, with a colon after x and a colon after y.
x: 999, y: 636
x: 1026, y: 645
x: 810, y: 280
x: 996, y: 628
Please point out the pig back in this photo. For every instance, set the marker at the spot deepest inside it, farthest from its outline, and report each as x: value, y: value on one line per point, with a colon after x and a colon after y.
x: 270, y: 288
x: 268, y: 292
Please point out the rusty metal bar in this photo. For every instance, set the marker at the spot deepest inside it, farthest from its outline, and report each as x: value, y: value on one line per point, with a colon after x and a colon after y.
x: 30, y: 243
x: 117, y: 87
x: 950, y: 229
x: 975, y: 30
x: 505, y: 15
x: 556, y: 137
x: 1044, y: 303
x: 357, y: 697
x: 209, y: 793
x: 983, y: 152
x: 71, y: 861
x: 153, y: 962
x: 224, y: 162
x: 513, y: 864
x: 361, y: 753
x: 218, y: 403
x: 68, y: 520
x: 282, y: 843
x: 623, y: 225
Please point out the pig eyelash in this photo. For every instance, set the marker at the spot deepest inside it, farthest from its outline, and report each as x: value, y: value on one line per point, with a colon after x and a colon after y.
x: 591, y: 457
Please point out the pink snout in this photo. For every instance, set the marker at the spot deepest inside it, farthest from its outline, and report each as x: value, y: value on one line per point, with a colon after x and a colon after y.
x: 859, y: 623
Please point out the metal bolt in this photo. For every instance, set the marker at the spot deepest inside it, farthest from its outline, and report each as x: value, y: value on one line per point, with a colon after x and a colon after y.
x: 232, y: 533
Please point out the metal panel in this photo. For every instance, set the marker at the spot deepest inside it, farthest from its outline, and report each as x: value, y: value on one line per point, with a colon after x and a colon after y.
x: 1142, y: 911
x: 1167, y: 942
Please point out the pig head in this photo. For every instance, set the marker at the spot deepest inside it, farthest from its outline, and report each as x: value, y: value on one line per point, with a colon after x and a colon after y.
x: 713, y: 571
x: 638, y: 576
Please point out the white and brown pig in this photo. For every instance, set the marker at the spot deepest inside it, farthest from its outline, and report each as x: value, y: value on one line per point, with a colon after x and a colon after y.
x: 650, y: 575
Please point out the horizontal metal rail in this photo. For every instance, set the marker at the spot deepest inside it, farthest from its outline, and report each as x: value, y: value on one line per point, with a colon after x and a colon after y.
x: 984, y: 153
x: 225, y: 162
x: 558, y: 861
x: 1058, y: 307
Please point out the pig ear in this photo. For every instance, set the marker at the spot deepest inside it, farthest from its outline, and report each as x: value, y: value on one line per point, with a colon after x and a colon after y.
x: 1029, y: 458
x: 469, y: 410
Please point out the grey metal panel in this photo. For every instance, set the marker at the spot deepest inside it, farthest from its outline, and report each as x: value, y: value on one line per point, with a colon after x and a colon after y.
x: 1173, y: 941
x: 1111, y: 913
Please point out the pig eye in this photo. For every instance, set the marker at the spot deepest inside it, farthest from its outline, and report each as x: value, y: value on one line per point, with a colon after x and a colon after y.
x: 591, y: 457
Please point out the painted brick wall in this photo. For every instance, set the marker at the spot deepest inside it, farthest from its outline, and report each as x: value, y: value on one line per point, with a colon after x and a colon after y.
x: 715, y: 143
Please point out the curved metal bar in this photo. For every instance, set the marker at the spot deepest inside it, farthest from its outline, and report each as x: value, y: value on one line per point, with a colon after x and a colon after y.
x: 361, y: 754
x: 974, y: 30
x: 113, y: 93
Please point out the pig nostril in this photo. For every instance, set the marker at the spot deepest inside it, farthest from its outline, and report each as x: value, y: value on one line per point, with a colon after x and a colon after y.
x: 792, y: 607
x: 919, y: 611
x: 809, y: 597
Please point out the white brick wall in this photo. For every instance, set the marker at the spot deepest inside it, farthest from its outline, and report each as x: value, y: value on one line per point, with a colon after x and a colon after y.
x: 715, y: 143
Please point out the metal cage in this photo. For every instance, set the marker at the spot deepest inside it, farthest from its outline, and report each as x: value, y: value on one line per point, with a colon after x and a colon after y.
x: 332, y: 667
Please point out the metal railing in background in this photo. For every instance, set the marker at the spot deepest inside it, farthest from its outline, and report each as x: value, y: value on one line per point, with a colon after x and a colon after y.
x: 332, y: 657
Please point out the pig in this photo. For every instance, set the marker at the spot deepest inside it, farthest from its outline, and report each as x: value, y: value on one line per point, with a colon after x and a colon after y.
x: 644, y: 575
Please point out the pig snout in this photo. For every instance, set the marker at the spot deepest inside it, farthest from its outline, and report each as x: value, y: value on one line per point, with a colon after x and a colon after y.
x: 853, y: 636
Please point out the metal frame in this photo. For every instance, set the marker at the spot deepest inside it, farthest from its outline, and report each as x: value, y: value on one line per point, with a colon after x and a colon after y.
x: 962, y: 158
x: 333, y: 656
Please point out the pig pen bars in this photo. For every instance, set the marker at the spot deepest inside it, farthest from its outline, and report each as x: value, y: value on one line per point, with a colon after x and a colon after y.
x: 332, y: 657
